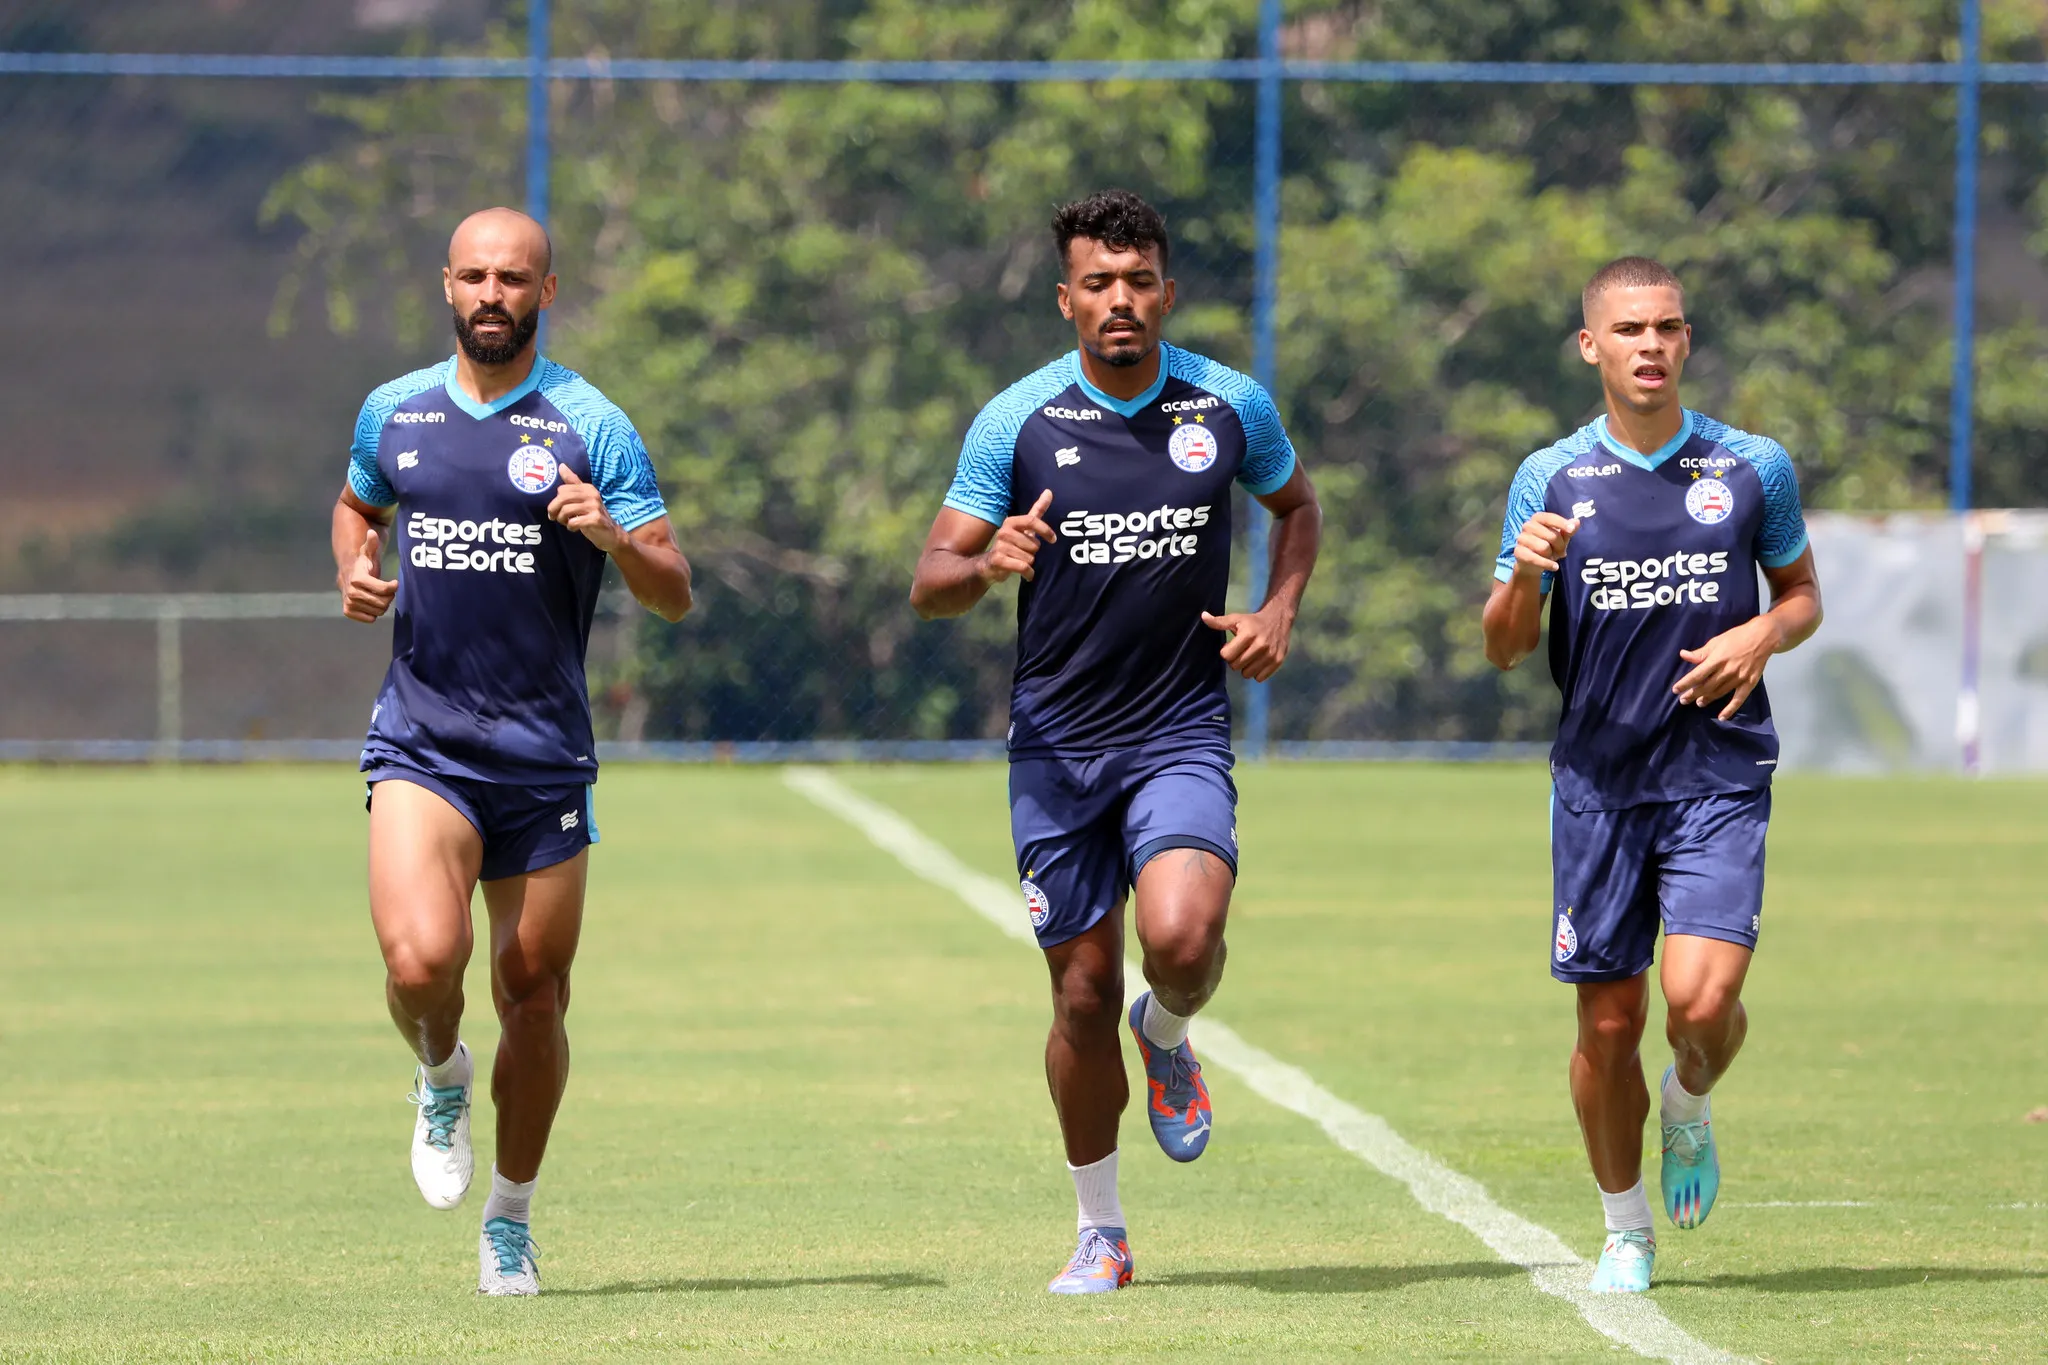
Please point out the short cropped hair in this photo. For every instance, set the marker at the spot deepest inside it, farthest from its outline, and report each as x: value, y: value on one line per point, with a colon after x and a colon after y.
x: 1630, y: 272
x: 1116, y: 218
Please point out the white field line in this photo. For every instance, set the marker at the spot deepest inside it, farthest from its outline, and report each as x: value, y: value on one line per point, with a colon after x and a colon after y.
x: 1805, y: 1204
x: 1633, y: 1320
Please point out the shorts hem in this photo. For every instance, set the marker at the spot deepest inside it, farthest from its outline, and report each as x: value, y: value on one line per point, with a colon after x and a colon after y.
x: 425, y: 781
x: 1581, y: 976
x: 538, y: 861
x: 1166, y: 843
x: 1713, y: 931
x: 1047, y: 945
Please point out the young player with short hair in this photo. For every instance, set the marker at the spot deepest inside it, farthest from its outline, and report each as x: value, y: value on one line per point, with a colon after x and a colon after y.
x: 1650, y: 524
x: 507, y: 481
x: 1104, y: 481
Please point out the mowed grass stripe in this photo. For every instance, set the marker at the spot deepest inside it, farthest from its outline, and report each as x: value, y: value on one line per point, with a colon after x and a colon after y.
x: 806, y: 1119
x: 1634, y: 1322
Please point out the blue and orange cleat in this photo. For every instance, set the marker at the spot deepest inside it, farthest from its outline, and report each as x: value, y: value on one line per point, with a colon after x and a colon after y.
x: 1101, y: 1264
x: 1176, y: 1100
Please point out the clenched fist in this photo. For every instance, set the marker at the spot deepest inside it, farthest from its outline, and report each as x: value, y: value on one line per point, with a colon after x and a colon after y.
x: 364, y: 596
x: 1015, y: 548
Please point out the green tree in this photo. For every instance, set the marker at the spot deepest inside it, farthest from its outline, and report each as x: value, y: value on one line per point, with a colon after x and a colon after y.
x: 802, y: 293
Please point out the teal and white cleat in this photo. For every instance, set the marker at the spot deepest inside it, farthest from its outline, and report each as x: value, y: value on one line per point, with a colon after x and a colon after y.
x: 1692, y: 1170
x: 1625, y: 1262
x: 505, y: 1260
x: 442, y: 1161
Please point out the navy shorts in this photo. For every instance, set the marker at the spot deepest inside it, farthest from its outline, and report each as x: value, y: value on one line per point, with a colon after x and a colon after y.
x: 524, y: 828
x: 1698, y: 866
x: 1085, y: 827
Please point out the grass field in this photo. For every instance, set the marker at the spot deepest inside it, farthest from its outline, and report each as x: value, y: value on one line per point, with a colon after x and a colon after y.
x: 808, y: 1116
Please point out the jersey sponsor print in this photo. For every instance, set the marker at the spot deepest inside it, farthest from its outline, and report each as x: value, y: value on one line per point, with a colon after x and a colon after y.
x: 1111, y: 649
x: 1665, y: 558
x: 495, y: 601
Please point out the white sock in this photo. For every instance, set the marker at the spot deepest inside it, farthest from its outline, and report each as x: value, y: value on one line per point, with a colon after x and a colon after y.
x: 1679, y: 1105
x: 1095, y: 1187
x: 1165, y: 1028
x: 455, y: 1071
x: 510, y: 1199
x: 1628, y: 1211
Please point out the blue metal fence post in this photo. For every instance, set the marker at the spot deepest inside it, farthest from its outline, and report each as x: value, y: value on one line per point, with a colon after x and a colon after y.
x: 1963, y: 384
x: 1265, y: 294
x: 539, y: 48
x: 1963, y: 390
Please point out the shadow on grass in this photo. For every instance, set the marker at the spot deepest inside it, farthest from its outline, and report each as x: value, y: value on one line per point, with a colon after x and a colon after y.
x: 1338, y: 1279
x: 893, y: 1280
x: 1838, y: 1279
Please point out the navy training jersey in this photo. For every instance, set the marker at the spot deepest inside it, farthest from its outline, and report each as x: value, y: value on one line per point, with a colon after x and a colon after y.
x: 1665, y: 559
x: 494, y: 601
x: 1111, y: 649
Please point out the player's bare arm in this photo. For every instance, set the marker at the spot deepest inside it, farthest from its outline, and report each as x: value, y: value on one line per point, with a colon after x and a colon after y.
x: 965, y: 556
x: 648, y: 557
x: 358, y: 541
x: 1732, y: 663
x: 1258, y: 639
x: 1513, y: 619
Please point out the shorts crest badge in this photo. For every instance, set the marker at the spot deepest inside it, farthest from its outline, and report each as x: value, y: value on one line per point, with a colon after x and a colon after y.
x: 1035, y: 901
x: 1192, y: 449
x: 1567, y: 937
x: 1709, y: 501
x: 531, y: 469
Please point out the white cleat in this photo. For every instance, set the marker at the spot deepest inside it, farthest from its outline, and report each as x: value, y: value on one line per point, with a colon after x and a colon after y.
x: 505, y: 1260
x: 442, y: 1161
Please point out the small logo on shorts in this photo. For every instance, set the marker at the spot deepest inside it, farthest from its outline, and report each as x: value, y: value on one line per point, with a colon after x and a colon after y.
x: 569, y: 821
x: 1756, y: 923
x: 1037, y: 904
x: 1567, y: 937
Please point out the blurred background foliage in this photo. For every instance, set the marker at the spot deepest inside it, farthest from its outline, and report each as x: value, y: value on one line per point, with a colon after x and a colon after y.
x: 803, y: 293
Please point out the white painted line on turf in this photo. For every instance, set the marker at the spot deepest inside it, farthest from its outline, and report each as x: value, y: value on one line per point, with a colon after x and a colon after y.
x: 1633, y: 1320
x: 1804, y: 1204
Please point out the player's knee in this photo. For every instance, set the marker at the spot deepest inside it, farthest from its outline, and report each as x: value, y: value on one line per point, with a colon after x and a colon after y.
x: 1186, y: 957
x: 532, y: 997
x: 1610, y: 1037
x: 1088, y: 1002
x: 423, y: 970
x: 1705, y: 1010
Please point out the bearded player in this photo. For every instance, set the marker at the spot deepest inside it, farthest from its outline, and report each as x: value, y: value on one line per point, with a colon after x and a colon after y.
x: 1650, y: 526
x: 507, y: 481
x: 1104, y: 481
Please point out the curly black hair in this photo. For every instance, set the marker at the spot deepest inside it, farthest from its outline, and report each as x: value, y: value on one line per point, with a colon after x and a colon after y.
x: 1116, y: 218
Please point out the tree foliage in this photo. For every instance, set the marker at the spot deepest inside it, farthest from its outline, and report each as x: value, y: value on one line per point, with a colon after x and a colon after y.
x: 802, y: 293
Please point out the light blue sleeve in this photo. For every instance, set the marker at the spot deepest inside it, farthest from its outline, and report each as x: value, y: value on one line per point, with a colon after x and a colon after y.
x: 1526, y: 496
x: 365, y: 479
x: 1782, y: 536
x: 619, y: 463
x: 1268, y: 454
x: 624, y: 474
x: 981, y: 482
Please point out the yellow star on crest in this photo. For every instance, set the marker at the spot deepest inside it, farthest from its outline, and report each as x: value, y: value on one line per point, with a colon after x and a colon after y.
x: 1176, y: 421
x: 1198, y: 417
x: 550, y: 441
x: 524, y: 438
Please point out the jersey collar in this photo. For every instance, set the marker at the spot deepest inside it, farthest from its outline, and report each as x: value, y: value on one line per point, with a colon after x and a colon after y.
x: 498, y: 404
x: 1122, y: 407
x: 1655, y: 457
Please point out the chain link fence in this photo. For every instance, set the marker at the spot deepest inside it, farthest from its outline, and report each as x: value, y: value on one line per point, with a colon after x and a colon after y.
x: 802, y: 242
